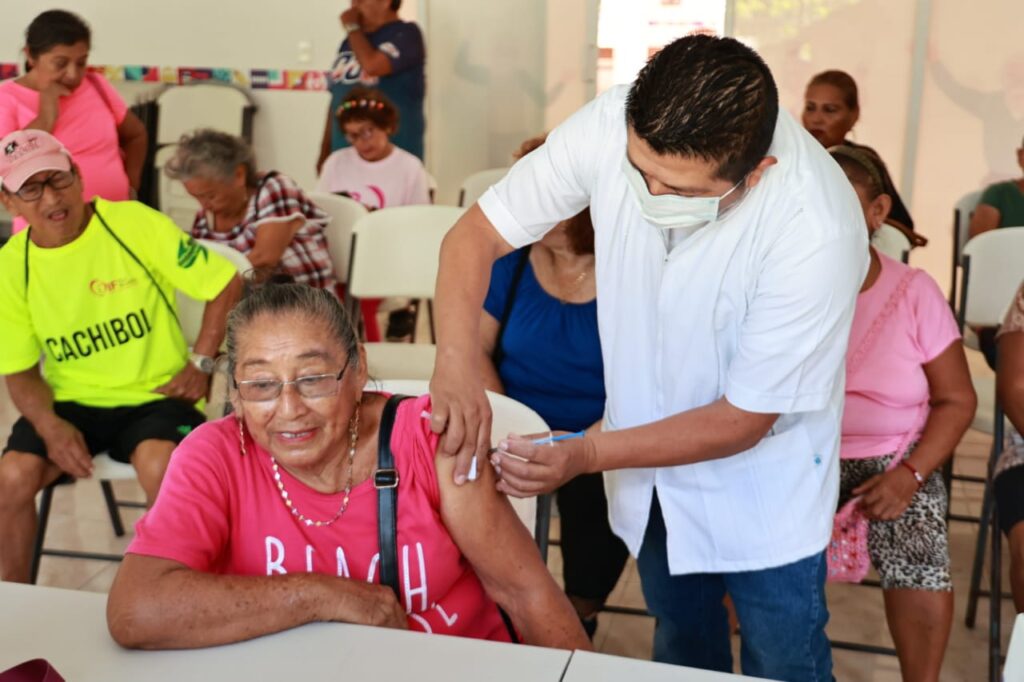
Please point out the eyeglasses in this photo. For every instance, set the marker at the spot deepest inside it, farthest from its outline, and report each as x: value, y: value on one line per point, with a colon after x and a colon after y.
x: 362, y: 136
x: 33, y: 191
x: 312, y: 386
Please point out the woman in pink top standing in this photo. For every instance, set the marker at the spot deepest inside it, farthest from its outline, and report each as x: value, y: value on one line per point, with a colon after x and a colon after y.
x: 908, y: 396
x: 80, y: 109
x: 268, y: 519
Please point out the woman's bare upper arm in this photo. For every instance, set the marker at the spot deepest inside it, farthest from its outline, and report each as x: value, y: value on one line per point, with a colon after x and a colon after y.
x: 479, y: 519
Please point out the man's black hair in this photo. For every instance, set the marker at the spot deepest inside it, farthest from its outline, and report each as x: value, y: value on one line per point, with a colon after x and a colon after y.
x: 706, y: 97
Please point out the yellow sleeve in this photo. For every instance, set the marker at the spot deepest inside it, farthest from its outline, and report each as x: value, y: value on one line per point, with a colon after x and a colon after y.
x: 20, y: 348
x: 189, y: 266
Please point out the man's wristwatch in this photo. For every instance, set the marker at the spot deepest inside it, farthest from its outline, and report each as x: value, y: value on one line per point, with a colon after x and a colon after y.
x: 204, y: 363
x: 352, y: 27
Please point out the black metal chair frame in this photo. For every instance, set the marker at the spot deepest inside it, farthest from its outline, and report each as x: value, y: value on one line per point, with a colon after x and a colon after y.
x: 38, y: 548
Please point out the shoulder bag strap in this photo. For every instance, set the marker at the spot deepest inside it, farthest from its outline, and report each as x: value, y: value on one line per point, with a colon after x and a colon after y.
x: 385, y: 480
x: 135, y: 258
x: 524, y: 257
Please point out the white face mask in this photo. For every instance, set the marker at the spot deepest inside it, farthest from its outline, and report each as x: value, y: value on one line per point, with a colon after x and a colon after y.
x: 671, y: 211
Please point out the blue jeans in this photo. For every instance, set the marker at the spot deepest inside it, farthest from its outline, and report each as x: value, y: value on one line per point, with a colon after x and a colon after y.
x: 782, y: 614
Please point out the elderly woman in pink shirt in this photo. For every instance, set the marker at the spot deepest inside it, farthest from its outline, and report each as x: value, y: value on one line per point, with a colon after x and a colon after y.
x: 81, y: 109
x: 270, y: 519
x: 908, y: 398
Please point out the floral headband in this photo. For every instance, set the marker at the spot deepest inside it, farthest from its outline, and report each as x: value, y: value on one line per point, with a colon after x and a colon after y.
x: 862, y: 159
x: 362, y: 103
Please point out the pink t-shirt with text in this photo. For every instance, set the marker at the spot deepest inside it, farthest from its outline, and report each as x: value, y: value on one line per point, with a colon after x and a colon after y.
x: 398, y: 179
x: 887, y: 395
x: 87, y: 122
x: 221, y: 512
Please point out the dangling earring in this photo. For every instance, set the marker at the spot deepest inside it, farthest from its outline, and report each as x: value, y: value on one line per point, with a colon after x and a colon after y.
x: 241, y: 435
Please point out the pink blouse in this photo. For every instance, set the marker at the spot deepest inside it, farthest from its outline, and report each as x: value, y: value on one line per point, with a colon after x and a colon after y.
x: 888, y: 390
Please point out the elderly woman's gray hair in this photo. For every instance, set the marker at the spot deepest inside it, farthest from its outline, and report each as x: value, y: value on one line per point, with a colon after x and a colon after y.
x: 312, y: 304
x: 212, y: 155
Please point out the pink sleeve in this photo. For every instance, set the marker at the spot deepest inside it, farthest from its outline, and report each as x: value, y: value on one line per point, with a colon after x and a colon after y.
x: 412, y: 435
x: 110, y: 96
x: 936, y: 326
x: 189, y: 521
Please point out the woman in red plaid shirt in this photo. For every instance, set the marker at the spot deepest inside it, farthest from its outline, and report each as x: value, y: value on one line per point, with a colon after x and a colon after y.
x: 264, y: 215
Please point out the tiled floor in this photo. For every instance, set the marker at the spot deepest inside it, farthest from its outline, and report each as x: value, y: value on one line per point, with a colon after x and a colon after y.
x: 79, y: 520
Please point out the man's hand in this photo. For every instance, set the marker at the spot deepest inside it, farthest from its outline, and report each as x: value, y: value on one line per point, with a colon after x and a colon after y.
x: 351, y: 16
x: 461, y: 412
x: 886, y: 496
x: 527, y: 470
x: 65, y: 447
x: 189, y: 385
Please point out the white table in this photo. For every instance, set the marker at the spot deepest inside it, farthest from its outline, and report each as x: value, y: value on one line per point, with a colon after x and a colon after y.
x: 586, y: 666
x: 1013, y: 671
x: 69, y: 629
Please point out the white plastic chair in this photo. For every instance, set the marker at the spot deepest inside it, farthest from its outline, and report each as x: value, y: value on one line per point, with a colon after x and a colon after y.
x: 173, y: 200
x: 992, y: 272
x: 400, y: 360
x: 221, y: 106
x: 890, y: 241
x: 344, y: 213
x: 509, y: 416
x: 190, y: 311
x: 395, y: 253
x: 963, y: 210
x: 476, y: 184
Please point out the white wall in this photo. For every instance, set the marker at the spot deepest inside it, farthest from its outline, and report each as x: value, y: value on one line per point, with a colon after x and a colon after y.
x: 236, y: 34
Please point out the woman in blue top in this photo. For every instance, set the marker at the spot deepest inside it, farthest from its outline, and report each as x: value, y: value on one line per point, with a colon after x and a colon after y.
x: 540, y: 341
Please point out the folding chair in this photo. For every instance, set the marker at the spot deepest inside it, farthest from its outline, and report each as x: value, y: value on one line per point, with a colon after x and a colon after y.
x: 476, y: 184
x: 172, y: 199
x: 344, y: 213
x: 992, y: 272
x: 190, y: 314
x: 962, y: 212
x: 209, y: 104
x: 893, y: 243
x: 395, y: 253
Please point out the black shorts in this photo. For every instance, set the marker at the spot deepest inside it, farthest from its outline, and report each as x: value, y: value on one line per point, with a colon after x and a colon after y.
x: 114, y: 430
x: 1009, y: 491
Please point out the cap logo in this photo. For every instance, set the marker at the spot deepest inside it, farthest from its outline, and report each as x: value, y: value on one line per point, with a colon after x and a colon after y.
x: 9, y: 149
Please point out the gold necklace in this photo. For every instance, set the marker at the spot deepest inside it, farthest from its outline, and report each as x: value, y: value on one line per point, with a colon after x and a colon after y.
x: 353, y: 431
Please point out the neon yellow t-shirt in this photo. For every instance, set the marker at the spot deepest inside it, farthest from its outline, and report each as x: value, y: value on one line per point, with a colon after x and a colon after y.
x: 106, y: 336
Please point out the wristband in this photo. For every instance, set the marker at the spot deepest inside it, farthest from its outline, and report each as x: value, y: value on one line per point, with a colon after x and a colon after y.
x: 917, y: 475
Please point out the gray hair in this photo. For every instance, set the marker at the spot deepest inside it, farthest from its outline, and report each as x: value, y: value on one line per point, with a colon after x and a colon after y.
x: 315, y: 305
x: 211, y: 154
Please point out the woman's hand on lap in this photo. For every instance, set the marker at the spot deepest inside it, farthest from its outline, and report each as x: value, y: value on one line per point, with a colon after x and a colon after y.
x: 886, y: 496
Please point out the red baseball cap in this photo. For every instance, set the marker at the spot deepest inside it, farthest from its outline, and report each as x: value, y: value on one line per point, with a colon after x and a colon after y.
x: 24, y: 153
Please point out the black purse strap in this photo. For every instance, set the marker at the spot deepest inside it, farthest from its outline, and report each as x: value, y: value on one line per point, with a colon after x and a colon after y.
x: 497, y: 355
x: 385, y: 480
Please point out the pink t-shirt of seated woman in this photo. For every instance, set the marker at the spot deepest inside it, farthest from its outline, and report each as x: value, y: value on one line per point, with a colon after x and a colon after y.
x: 87, y: 122
x: 221, y: 512
x: 887, y: 396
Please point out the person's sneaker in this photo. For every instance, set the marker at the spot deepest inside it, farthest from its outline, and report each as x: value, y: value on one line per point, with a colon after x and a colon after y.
x: 401, y: 323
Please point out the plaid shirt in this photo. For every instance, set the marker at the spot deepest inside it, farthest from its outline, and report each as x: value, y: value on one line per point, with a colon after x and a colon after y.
x: 279, y: 200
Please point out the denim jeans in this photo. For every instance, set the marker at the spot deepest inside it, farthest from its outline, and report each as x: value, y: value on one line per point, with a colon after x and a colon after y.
x: 782, y: 614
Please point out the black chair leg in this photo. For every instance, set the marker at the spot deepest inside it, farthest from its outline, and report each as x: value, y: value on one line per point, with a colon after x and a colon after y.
x: 543, y: 524
x: 115, y: 514
x: 37, y: 546
x: 974, y: 591
x: 430, y: 318
x: 995, y: 603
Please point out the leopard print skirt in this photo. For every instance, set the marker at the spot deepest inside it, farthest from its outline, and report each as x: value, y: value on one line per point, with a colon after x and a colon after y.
x: 911, y: 552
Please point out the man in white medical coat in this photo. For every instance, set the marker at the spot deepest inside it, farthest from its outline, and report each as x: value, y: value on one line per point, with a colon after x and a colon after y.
x: 730, y: 250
